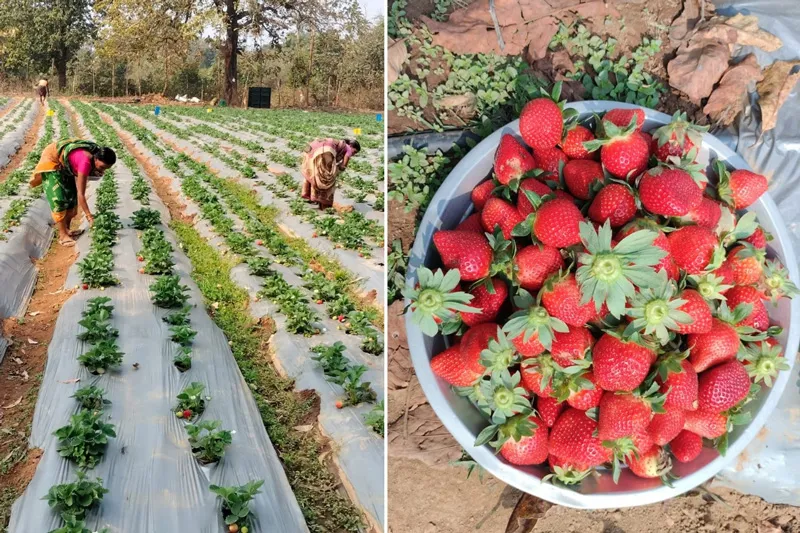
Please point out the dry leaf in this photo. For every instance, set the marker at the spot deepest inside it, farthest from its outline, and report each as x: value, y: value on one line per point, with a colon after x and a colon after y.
x: 727, y: 100
x: 685, y: 22
x: 25, y: 376
x: 35, y: 313
x: 774, y: 89
x: 697, y: 67
x: 31, y: 341
x: 14, y: 403
x: 69, y: 381
x: 18, y: 360
x: 398, y: 54
x: 304, y: 429
x: 542, y: 32
x: 745, y: 32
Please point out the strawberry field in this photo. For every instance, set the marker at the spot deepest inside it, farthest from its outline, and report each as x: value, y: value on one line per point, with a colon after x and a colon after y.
x: 215, y: 361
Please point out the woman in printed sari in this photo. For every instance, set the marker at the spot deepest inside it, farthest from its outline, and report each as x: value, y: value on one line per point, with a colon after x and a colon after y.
x: 323, y: 161
x: 64, y: 169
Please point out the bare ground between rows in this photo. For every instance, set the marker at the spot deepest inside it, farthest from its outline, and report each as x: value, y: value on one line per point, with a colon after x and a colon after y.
x: 163, y: 189
x: 28, y: 144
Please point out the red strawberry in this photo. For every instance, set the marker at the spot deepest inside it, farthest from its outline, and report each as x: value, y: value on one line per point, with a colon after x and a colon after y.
x: 561, y: 297
x: 535, y: 264
x: 572, y: 345
x: 758, y: 239
x: 534, y: 185
x: 720, y: 344
x: 557, y: 223
x: 667, y: 264
x: 706, y: 214
x: 187, y: 413
x: 693, y: 248
x: 339, y: 404
x: 722, y: 387
x: 669, y: 191
x: 642, y: 440
x: 686, y: 447
x: 680, y: 388
x: 140, y: 258
x: 620, y: 365
x: 707, y: 424
x: 744, y: 294
x: 622, y: 117
x: 469, y: 252
x: 588, y: 398
x: 539, y: 372
x: 489, y: 304
x: 651, y: 464
x: 696, y: 307
x: 471, y: 223
x: 625, y: 156
x: 498, y: 212
x: 665, y: 426
x: 740, y: 188
x: 474, y: 341
x: 530, y: 449
x: 677, y: 138
x: 541, y: 123
x: 615, y: 203
x: 450, y: 366
x: 725, y: 271
x: 648, y: 138
x: 572, y: 440
x: 622, y: 415
x: 747, y: 264
x: 549, y: 159
x: 572, y: 144
x: 512, y: 160
x: 481, y: 193
x: 580, y: 175
x: 549, y: 408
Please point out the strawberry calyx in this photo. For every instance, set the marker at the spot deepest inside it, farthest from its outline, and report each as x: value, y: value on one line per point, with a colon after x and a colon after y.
x: 515, y: 427
x: 746, y: 333
x: 776, y: 283
x: 670, y: 363
x: 474, y: 393
x: 570, y: 380
x: 434, y: 300
x: 765, y: 362
x: 566, y: 475
x: 688, y: 163
x: 499, y: 354
x: 505, y: 396
x: 743, y: 229
x: 533, y: 319
x: 680, y: 128
x: 621, y: 449
x: 656, y: 311
x: 504, y: 250
x: 649, y: 392
x: 543, y: 365
x: 611, y: 132
x: 610, y: 275
x: 724, y: 183
x: 709, y: 286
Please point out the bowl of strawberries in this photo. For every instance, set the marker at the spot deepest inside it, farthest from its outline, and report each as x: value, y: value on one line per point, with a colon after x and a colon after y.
x: 599, y: 301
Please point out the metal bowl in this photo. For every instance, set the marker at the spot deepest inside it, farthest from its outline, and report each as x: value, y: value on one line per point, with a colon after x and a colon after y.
x: 450, y: 205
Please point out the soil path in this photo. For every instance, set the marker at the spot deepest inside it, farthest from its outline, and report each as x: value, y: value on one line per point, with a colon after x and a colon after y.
x: 29, y: 143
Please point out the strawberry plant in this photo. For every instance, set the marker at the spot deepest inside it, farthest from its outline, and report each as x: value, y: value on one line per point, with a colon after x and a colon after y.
x: 372, y: 343
x: 192, y: 401
x: 375, y: 418
x: 356, y: 391
x: 360, y: 322
x: 332, y: 360
x: 140, y: 190
x: 84, y: 439
x: 91, y: 398
x: 236, y: 503
x: 100, y: 305
x: 96, y: 269
x: 182, y: 334
x: 179, y: 318
x: 183, y: 360
x: 396, y: 273
x: 97, y: 327
x: 158, y: 261
x: 207, y: 441
x: 145, y: 218
x: 341, y: 306
x: 74, y: 499
x: 103, y: 356
x: 74, y: 525
x: 168, y: 292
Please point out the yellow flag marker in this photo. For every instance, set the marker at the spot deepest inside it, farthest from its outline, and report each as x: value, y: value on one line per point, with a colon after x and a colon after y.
x: 50, y: 112
x: 357, y: 131
x: 208, y: 110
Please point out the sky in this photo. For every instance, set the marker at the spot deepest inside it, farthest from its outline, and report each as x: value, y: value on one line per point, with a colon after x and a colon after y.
x: 374, y: 7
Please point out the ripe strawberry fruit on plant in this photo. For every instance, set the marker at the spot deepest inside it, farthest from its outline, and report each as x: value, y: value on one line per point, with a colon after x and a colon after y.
x: 614, y: 317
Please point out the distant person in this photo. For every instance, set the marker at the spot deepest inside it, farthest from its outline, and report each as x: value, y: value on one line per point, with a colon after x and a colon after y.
x: 43, y: 89
x: 64, y: 170
x: 324, y: 159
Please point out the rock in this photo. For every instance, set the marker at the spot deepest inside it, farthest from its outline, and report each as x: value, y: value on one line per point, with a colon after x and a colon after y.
x: 698, y: 65
x: 773, y: 90
x: 727, y: 100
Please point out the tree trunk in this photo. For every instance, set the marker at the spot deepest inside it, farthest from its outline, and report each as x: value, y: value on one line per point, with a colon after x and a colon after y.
x: 61, y: 69
x: 231, y: 52
x: 310, y: 69
x: 139, y: 75
x: 94, y: 77
x: 166, y: 75
x: 113, y: 78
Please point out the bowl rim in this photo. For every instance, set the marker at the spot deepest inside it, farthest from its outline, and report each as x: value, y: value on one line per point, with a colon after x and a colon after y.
x: 527, y: 481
